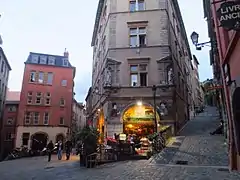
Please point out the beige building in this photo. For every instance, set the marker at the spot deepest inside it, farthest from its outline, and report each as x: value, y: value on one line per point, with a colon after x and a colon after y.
x: 138, y: 44
x: 79, y: 115
x: 197, y: 90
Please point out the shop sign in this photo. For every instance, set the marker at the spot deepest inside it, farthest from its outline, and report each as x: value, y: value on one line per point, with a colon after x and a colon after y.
x: 229, y: 15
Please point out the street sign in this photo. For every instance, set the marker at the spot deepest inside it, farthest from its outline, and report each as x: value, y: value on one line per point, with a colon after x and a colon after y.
x: 214, y: 87
x: 229, y: 15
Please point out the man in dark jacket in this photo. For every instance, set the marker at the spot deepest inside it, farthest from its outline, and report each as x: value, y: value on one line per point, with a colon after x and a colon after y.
x: 68, y: 148
x: 50, y: 148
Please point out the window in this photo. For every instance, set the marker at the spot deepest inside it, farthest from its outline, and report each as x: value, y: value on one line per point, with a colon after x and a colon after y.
x: 10, y: 121
x: 30, y: 93
x: 36, y: 118
x: 41, y: 77
x: 47, y: 101
x: 62, y: 102
x: 27, y: 118
x: 134, y: 79
x: 32, y: 76
x: 49, y: 78
x: 138, y: 37
x: 12, y: 108
x: 64, y: 82
x: 51, y: 60
x: 35, y: 58
x: 43, y: 59
x: 2, y: 67
x: 48, y: 94
x: 39, y: 94
x: 136, y: 5
x: 8, y: 136
x: 61, y: 121
x: 65, y: 61
x: 25, y: 138
x: 29, y: 100
x: 38, y: 100
x: 46, y: 118
x: 138, y: 75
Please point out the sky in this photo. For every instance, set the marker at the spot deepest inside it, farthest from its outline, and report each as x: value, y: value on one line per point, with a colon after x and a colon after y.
x: 50, y: 26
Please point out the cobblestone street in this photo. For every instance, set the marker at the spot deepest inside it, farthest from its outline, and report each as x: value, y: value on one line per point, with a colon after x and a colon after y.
x: 205, y: 156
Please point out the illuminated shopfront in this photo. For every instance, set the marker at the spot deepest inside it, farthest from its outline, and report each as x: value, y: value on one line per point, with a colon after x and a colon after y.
x: 138, y: 119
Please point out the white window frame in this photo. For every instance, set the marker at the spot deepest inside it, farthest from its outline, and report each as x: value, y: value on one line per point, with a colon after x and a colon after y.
x: 64, y: 82
x: 37, y: 100
x: 138, y: 72
x: 48, y: 104
x: 62, y: 100
x: 44, y: 118
x: 65, y: 62
x: 25, y: 118
x: 34, y: 76
x: 43, y: 59
x: 61, y: 118
x: 28, y: 100
x: 136, y: 5
x: 34, y: 118
x: 49, y: 82
x: 51, y: 60
x: 137, y: 34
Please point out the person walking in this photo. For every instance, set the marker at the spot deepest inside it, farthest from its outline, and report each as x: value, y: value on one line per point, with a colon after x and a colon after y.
x: 50, y: 148
x: 68, y: 148
x: 59, y: 150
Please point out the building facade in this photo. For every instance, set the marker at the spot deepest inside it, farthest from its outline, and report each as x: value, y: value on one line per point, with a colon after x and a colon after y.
x: 45, y: 109
x: 197, y: 94
x: 225, y: 58
x: 78, y: 117
x: 9, y: 122
x: 4, y: 75
x: 132, y: 52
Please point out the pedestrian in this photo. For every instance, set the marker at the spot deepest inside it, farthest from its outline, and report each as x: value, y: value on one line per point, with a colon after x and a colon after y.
x: 59, y: 149
x: 68, y: 148
x: 50, y: 148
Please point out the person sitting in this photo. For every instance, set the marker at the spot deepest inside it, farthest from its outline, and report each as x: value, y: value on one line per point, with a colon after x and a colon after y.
x: 219, y: 129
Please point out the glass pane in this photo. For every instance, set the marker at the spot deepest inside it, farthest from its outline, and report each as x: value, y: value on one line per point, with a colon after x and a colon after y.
x: 140, y: 5
x: 134, y: 80
x: 40, y: 77
x: 143, y: 79
x: 133, y: 41
x: 133, y: 68
x: 142, y: 30
x: 142, y: 67
x: 132, y: 6
x: 133, y: 31
x: 49, y: 78
x: 142, y: 40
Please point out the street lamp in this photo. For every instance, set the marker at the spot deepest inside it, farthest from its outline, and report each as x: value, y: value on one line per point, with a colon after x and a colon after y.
x: 194, y: 37
x: 139, y: 103
x: 154, y: 89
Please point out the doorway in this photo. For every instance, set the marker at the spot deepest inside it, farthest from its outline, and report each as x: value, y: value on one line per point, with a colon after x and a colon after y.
x: 39, y: 141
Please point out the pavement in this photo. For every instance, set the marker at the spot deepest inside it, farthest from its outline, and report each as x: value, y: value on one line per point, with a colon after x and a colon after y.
x: 193, y: 155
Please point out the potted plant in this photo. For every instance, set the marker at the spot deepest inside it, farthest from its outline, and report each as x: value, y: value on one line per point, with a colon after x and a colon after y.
x: 88, y: 136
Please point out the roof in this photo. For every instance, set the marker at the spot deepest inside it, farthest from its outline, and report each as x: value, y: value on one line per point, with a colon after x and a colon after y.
x: 6, y: 60
x: 13, y: 95
x: 58, y: 60
x: 97, y: 20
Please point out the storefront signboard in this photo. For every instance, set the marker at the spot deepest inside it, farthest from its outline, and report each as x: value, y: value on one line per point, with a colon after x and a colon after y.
x: 229, y: 15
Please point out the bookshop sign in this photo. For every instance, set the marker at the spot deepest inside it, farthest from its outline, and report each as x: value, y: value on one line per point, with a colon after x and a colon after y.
x: 229, y: 15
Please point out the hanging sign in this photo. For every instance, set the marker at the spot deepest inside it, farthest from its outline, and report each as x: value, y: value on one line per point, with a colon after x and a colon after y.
x: 229, y: 15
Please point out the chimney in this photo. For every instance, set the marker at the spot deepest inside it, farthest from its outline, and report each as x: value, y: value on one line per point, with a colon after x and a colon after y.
x: 66, y: 54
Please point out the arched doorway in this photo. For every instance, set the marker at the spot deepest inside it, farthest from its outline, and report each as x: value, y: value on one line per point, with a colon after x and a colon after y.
x: 138, y: 119
x: 236, y: 117
x: 60, y: 137
x: 39, y: 141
